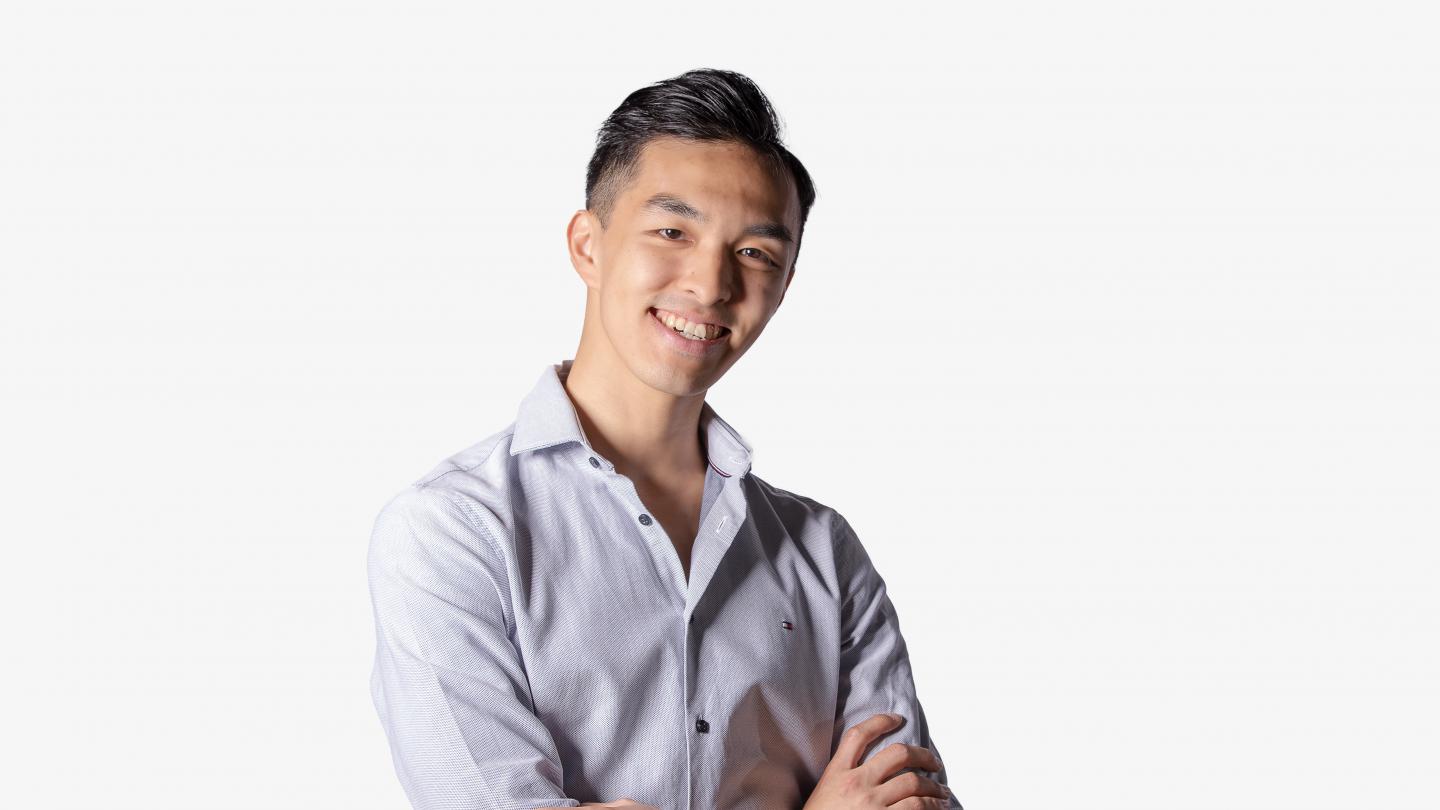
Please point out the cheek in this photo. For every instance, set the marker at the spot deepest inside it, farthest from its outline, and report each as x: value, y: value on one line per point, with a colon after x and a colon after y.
x: 643, y: 271
x: 769, y: 293
x: 654, y: 267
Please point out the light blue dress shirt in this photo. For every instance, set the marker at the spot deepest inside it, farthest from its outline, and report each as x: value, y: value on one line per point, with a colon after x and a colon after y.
x: 538, y: 643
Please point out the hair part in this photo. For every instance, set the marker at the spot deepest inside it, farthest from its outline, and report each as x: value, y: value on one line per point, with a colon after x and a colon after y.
x: 705, y: 104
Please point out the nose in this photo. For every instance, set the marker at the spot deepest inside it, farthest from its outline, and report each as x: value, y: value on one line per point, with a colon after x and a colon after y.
x: 710, y: 276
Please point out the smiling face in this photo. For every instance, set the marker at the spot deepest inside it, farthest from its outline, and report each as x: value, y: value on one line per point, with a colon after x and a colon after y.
x: 704, y: 229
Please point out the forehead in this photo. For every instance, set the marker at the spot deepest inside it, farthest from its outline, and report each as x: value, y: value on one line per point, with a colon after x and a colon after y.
x: 722, y: 177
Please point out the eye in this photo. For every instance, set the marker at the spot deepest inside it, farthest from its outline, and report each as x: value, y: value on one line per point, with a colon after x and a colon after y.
x: 759, y: 254
x: 675, y: 231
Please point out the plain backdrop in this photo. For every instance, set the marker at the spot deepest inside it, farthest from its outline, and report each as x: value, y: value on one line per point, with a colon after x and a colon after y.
x: 1114, y: 335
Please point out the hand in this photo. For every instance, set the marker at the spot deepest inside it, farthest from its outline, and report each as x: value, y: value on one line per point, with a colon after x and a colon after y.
x: 848, y: 785
x: 625, y: 803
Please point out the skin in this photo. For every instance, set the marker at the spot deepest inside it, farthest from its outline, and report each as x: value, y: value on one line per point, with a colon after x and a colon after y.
x: 876, y: 784
x: 849, y: 784
x: 639, y: 400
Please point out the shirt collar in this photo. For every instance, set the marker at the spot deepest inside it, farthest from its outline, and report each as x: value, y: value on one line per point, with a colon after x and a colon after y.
x: 547, y: 417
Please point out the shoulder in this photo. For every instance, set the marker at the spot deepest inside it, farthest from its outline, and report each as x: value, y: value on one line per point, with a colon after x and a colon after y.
x: 488, y: 457
x: 826, y: 530
x: 444, y: 533
x: 805, y: 517
x: 826, y: 536
x: 458, y: 507
x: 790, y: 505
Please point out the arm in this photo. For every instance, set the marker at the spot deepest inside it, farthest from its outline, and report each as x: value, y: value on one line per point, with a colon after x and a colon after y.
x: 875, y: 671
x: 447, y: 682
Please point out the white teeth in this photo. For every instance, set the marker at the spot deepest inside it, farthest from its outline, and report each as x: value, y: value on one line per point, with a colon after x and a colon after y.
x: 694, y: 331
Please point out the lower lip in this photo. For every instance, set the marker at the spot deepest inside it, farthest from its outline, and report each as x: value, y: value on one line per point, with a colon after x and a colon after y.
x: 694, y: 348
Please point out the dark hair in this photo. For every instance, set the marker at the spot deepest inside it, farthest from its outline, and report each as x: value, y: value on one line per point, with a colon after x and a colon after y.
x: 706, y: 104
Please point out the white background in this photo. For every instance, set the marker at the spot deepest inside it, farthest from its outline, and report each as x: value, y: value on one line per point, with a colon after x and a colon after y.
x: 1114, y: 334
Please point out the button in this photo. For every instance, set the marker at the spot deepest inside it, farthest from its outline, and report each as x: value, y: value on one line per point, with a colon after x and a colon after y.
x: 645, y: 519
x: 702, y: 726
x: 595, y: 462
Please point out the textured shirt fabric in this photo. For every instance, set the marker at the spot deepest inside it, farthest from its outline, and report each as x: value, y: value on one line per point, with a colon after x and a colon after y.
x: 539, y: 644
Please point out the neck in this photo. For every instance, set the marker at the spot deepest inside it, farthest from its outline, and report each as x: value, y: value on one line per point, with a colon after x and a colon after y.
x: 648, y: 434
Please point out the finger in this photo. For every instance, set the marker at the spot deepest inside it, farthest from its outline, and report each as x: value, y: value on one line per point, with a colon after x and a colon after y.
x: 910, y: 784
x: 918, y: 803
x: 860, y: 736
x: 896, y: 757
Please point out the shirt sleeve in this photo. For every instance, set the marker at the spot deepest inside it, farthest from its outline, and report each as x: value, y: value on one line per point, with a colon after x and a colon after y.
x: 875, y: 674
x: 447, y: 682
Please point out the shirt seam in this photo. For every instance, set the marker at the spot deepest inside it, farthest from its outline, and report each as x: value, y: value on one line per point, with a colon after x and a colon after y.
x: 485, y: 537
x: 499, y: 440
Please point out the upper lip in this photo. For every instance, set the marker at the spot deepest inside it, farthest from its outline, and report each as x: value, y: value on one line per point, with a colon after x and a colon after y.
x: 693, y: 317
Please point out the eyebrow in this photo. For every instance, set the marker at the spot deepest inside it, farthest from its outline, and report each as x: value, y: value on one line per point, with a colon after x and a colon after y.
x: 670, y: 204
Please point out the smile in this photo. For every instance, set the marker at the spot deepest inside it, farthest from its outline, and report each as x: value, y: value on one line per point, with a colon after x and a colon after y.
x: 691, y: 329
x: 685, y: 343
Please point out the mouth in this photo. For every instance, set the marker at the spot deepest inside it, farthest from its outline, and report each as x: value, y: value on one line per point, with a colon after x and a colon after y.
x: 684, y: 343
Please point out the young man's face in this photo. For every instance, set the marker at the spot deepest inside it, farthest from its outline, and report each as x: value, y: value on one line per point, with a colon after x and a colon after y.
x: 705, y: 229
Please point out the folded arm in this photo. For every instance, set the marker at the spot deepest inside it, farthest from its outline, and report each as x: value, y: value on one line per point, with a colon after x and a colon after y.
x: 875, y: 673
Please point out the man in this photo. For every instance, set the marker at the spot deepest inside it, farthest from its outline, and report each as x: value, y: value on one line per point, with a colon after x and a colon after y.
x: 602, y: 604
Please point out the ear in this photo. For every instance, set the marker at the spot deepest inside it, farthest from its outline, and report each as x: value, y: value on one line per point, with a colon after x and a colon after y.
x: 582, y: 237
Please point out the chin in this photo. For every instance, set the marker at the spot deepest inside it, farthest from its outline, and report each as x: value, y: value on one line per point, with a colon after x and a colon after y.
x: 675, y: 379
x: 677, y: 382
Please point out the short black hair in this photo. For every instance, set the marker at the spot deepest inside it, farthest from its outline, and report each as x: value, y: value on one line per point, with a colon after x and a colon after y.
x: 705, y: 104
